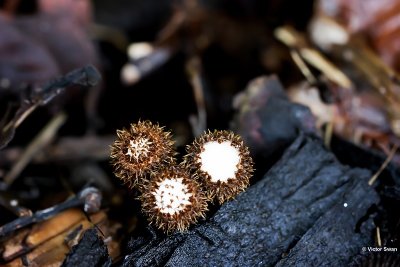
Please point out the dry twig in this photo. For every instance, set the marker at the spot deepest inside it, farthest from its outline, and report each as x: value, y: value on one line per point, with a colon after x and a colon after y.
x: 89, y: 198
x: 86, y: 77
x: 38, y: 143
x: 199, y: 123
x: 384, y: 165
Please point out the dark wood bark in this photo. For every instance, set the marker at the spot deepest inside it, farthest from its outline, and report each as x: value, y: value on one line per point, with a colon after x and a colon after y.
x: 90, y: 251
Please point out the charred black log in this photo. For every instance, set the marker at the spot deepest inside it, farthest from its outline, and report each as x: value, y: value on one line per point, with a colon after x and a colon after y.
x: 90, y: 251
x: 302, y: 198
x: 339, y: 234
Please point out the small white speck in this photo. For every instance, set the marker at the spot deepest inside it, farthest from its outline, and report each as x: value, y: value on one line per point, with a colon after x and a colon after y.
x: 345, y: 205
x: 14, y: 202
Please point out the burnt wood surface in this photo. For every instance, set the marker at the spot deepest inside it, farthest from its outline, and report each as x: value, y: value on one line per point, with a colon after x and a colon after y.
x: 294, y: 214
x: 339, y: 234
x: 90, y: 251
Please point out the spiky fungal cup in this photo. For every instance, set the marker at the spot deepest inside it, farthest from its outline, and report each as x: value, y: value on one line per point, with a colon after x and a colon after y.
x: 221, y: 163
x: 173, y: 201
x: 142, y: 149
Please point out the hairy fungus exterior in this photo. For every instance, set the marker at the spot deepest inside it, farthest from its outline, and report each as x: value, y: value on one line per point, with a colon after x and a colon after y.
x: 173, y: 201
x: 221, y: 163
x: 140, y: 150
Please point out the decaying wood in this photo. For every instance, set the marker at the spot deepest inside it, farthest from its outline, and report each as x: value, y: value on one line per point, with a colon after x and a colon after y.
x: 39, y: 233
x: 301, y: 198
x: 48, y: 242
x: 89, y: 198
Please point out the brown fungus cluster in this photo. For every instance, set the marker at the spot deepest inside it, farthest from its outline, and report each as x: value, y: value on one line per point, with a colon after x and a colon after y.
x: 174, y: 196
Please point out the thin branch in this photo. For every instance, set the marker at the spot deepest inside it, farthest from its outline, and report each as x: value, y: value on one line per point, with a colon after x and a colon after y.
x: 38, y: 143
x: 199, y: 123
x: 86, y: 77
x: 383, y: 166
x: 89, y: 198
